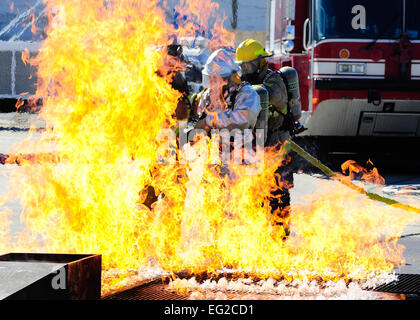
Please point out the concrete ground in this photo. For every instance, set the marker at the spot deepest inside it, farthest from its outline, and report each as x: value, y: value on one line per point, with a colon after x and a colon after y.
x: 13, y: 129
x: 306, y: 184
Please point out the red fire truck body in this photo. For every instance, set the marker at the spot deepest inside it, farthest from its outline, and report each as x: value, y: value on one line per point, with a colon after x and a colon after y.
x: 358, y: 63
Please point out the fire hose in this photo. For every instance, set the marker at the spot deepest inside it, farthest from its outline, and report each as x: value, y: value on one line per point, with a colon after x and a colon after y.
x: 290, y: 145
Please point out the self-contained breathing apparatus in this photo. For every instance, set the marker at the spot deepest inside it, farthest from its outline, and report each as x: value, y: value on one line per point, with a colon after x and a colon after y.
x: 291, y: 122
x: 294, y: 106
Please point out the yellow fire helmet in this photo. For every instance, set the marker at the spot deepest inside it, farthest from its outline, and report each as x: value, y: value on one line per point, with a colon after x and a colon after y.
x: 250, y: 50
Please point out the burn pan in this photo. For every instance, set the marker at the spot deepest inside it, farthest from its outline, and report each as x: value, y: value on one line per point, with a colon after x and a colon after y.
x: 38, y: 276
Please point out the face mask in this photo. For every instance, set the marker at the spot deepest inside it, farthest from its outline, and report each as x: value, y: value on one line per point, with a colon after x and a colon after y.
x: 206, y: 81
x: 214, y: 83
x: 251, y: 78
x: 175, y: 50
x: 250, y: 67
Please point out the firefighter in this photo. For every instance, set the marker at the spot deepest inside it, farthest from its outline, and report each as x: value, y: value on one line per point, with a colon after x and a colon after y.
x: 251, y: 56
x: 226, y: 102
x: 175, y: 59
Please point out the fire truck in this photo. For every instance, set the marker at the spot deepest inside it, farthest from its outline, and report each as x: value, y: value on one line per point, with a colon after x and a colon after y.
x: 358, y: 63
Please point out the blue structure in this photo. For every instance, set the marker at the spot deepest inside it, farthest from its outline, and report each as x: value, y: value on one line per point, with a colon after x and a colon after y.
x: 15, y: 25
x: 17, y: 79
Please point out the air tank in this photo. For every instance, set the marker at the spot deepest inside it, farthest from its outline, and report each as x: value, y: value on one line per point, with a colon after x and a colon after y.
x: 262, y: 120
x: 291, y: 80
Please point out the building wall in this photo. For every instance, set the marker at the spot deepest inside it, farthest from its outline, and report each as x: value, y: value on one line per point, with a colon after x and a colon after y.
x: 241, y: 35
x: 15, y: 77
x: 252, y: 18
x: 251, y: 14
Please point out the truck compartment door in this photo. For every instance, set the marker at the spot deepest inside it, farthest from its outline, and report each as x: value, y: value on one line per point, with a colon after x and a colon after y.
x: 383, y: 124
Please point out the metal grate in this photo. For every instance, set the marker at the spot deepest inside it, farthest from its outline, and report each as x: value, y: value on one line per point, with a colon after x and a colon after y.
x: 407, y: 284
x: 155, y: 290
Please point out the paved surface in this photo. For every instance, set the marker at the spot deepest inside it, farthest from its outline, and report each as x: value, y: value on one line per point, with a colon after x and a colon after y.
x: 307, y: 184
x: 401, y: 187
x: 411, y: 236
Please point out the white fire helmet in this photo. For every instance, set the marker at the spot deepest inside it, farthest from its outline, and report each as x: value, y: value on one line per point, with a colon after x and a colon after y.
x: 219, y: 64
